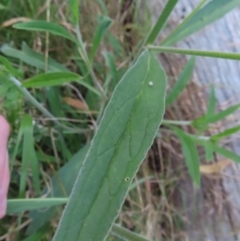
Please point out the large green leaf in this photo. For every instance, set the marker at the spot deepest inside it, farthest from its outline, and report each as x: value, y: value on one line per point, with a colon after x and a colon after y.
x: 209, y: 13
x: 126, y: 132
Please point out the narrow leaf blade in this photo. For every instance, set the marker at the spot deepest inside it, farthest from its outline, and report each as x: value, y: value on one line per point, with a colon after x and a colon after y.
x: 209, y: 13
x: 21, y: 205
x: 182, y: 81
x: 212, y: 103
x: 224, y: 152
x: 126, y: 132
x: 158, y: 26
x: 44, y: 26
x: 223, y: 114
x: 103, y: 24
x: 126, y: 234
x: 50, y: 79
x: 191, y: 155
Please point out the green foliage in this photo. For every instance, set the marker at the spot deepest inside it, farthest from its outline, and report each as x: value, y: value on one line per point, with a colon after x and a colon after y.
x: 45, y: 134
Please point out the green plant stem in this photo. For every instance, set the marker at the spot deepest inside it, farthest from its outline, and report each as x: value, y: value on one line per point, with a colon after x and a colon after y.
x: 194, y: 137
x: 126, y: 234
x: 167, y: 40
x: 195, y: 52
x: 84, y: 55
x: 179, y: 123
x: 33, y: 101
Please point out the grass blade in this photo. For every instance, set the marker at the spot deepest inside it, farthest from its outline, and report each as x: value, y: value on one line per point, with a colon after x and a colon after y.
x: 195, y: 52
x: 28, y: 157
x: 222, y: 114
x: 50, y: 79
x: 225, y: 133
x: 119, y: 146
x: 126, y: 234
x: 103, y: 24
x: 44, y: 26
x: 190, y: 153
x: 209, y: 13
x: 55, y: 79
x: 21, y: 205
x: 163, y: 17
x: 224, y: 152
x: 182, y: 81
x: 212, y: 103
x: 74, y: 5
x: 169, y: 38
x: 31, y: 58
x: 8, y: 66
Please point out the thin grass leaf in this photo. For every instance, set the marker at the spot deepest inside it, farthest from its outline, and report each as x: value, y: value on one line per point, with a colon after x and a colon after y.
x: 8, y: 66
x: 28, y: 157
x: 208, y: 150
x: 182, y: 81
x: 53, y: 65
x: 195, y: 52
x: 74, y: 5
x: 212, y: 103
x: 224, y: 152
x: 190, y: 153
x: 223, y: 114
x: 50, y: 79
x: 126, y: 234
x: 161, y: 21
x: 103, y: 23
x: 61, y: 186
x: 225, y: 133
x: 110, y: 62
x: 204, y: 16
x: 44, y: 26
x: 55, y: 79
x: 22, y: 205
x: 119, y: 146
x: 31, y: 58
